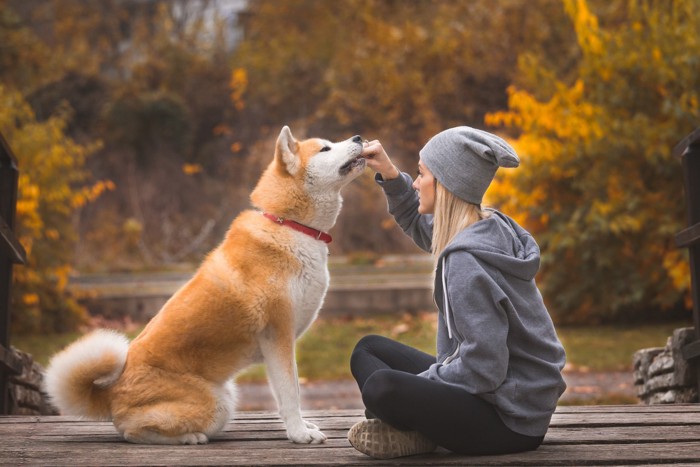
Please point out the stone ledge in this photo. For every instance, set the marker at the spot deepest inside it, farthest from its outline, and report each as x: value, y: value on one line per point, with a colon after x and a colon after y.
x: 26, y: 395
x: 661, y: 374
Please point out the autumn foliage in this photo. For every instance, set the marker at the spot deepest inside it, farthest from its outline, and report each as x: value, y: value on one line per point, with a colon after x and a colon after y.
x: 140, y: 128
x: 599, y: 185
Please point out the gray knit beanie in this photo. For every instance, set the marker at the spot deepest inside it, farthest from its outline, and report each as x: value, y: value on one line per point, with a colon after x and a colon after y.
x: 464, y: 160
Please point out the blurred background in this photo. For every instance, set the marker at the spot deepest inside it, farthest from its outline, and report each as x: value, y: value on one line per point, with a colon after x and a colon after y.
x: 140, y: 127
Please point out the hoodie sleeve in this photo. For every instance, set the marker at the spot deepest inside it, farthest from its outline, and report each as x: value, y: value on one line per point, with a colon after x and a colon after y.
x: 403, y: 205
x: 480, y: 324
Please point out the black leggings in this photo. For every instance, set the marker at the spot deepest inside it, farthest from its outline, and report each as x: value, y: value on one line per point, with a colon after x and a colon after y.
x: 386, y: 372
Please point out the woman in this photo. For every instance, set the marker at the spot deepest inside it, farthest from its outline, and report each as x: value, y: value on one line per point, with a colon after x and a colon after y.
x: 497, y: 377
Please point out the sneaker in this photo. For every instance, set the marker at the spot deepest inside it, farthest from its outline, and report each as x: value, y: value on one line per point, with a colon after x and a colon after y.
x: 382, y: 441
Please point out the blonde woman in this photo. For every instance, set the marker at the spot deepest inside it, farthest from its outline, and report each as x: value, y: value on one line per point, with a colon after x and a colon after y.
x: 496, y: 379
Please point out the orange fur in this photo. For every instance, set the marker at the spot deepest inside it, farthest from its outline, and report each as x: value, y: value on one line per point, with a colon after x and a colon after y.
x: 239, y: 307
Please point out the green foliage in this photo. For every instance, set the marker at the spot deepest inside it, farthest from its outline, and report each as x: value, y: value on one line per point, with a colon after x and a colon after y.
x: 141, y: 123
x: 598, y: 184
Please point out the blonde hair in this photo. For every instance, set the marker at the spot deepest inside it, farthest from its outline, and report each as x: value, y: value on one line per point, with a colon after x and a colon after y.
x: 451, y: 216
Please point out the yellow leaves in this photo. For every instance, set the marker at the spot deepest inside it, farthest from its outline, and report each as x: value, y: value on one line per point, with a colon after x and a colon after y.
x: 132, y: 227
x: 49, y: 190
x: 569, y: 115
x: 62, y: 274
x: 238, y: 85
x: 586, y: 24
x: 676, y: 265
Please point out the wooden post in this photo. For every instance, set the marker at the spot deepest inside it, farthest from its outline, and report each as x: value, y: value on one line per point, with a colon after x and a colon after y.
x: 689, y: 152
x: 11, y: 252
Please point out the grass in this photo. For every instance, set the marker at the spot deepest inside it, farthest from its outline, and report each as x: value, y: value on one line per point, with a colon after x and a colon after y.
x: 323, y: 353
x: 610, y: 348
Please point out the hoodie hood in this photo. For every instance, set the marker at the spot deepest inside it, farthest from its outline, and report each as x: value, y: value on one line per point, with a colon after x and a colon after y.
x: 500, y: 242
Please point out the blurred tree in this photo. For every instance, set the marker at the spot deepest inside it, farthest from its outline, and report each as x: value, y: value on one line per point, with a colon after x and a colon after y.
x: 51, y: 175
x: 397, y: 71
x: 90, y: 71
x: 598, y: 184
x: 149, y: 78
x: 23, y: 56
x: 405, y: 68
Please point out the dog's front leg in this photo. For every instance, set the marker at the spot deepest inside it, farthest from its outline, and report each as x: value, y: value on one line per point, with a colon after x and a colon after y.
x: 277, y: 347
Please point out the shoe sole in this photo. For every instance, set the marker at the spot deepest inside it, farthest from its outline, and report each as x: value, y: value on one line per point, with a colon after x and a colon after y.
x: 382, y: 441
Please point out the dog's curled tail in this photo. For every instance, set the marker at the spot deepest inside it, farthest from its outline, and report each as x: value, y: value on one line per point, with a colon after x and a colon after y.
x: 78, y: 378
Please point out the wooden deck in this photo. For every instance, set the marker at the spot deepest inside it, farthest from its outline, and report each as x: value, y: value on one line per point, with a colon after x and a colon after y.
x: 591, y: 435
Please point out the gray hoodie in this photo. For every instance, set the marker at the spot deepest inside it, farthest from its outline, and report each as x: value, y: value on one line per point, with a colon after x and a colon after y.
x: 495, y: 337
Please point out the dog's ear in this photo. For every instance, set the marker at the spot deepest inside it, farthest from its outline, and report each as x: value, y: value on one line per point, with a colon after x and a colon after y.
x: 286, y: 151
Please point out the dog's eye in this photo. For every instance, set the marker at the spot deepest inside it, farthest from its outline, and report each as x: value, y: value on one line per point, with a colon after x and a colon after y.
x: 325, y: 148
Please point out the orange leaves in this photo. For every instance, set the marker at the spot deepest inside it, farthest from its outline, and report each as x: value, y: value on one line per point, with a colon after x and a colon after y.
x: 90, y: 193
x: 191, y: 169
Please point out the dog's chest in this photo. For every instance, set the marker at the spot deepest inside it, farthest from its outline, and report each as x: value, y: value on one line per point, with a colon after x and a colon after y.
x: 308, y: 288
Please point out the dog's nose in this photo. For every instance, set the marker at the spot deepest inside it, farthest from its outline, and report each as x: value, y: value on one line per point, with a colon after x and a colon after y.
x: 357, y: 139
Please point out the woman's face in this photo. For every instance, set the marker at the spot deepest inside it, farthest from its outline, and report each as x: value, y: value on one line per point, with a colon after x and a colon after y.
x: 425, y: 186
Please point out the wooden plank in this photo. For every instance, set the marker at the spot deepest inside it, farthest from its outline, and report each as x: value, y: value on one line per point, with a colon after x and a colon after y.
x: 335, y: 453
x: 631, y: 408
x: 621, y: 434
x: 601, y: 435
x: 621, y: 419
x: 578, y: 436
x: 259, y: 416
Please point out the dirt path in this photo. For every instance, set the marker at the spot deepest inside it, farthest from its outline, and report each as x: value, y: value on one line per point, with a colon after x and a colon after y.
x: 582, y: 387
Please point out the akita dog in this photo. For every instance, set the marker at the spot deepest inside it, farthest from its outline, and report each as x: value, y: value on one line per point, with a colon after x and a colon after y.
x: 248, y: 302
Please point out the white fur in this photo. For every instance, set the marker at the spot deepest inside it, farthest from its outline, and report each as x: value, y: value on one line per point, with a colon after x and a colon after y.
x: 84, y: 352
x: 323, y: 181
x: 308, y: 289
x: 307, y: 292
x: 227, y: 398
x: 286, y: 144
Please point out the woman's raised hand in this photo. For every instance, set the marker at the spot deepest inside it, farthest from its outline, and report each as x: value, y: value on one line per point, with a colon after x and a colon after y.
x: 378, y: 160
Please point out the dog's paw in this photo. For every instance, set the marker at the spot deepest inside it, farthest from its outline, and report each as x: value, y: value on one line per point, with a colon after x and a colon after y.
x: 153, y: 437
x: 310, y: 426
x: 307, y: 436
x: 194, y: 438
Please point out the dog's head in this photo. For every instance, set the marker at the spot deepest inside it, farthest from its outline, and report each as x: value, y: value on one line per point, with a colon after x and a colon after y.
x: 305, y: 174
x: 321, y: 164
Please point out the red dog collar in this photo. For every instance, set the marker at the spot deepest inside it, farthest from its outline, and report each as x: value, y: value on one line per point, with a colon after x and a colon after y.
x: 311, y: 232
